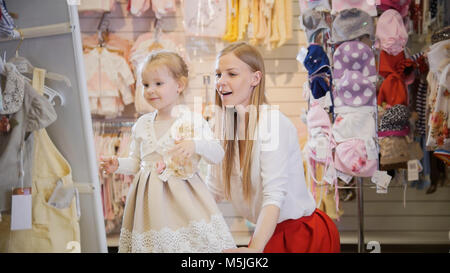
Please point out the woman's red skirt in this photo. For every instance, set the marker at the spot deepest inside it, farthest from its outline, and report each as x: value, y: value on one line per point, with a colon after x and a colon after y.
x: 316, y: 233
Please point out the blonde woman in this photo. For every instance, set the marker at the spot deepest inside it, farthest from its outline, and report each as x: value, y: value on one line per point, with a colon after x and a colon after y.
x: 262, y: 172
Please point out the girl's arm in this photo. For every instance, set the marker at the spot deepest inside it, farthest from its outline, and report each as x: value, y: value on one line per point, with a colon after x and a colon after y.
x: 207, y: 146
x: 130, y: 165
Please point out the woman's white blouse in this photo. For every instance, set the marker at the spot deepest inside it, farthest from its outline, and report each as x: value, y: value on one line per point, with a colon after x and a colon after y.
x: 276, y: 173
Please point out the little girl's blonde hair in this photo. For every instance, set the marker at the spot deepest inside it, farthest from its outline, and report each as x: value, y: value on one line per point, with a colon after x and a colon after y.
x: 171, y: 60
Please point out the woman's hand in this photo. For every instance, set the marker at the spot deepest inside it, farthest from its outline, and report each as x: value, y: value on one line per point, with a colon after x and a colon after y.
x: 183, y: 150
x: 241, y: 250
x: 108, y: 164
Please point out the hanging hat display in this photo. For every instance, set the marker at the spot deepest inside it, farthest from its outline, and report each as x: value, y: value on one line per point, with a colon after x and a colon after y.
x: 351, y: 24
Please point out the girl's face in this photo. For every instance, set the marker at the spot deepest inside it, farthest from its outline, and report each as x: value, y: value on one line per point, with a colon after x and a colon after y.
x: 161, y: 89
x: 235, y: 80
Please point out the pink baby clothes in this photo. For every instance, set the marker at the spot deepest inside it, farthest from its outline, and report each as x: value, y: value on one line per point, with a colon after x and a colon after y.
x: 138, y: 7
x: 108, y: 80
x: 163, y: 7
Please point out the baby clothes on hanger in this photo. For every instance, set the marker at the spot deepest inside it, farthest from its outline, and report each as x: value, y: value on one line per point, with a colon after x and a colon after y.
x: 96, y: 5
x: 162, y: 8
x: 109, y: 79
x: 52, y: 227
x: 244, y: 17
x: 231, y: 34
x: 314, y: 22
x: 391, y: 33
x: 31, y: 112
x: 397, y: 71
x: 205, y: 18
x: 351, y: 24
x: 114, y: 43
x: 138, y: 7
x: 439, y: 121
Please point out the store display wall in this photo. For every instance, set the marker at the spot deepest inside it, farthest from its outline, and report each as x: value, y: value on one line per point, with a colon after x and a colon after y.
x: 425, y: 219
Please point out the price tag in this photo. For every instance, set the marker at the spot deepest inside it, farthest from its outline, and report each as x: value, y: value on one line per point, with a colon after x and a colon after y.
x: 325, y: 101
x: 21, y: 209
x: 413, y: 170
x: 371, y: 149
x: 344, y: 177
x: 384, y: 181
x: 330, y: 175
x: 322, y: 149
x: 302, y: 54
x: 381, y: 190
x: 381, y: 179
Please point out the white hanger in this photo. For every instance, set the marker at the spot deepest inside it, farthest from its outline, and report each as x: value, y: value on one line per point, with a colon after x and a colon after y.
x: 50, y: 93
x: 24, y: 66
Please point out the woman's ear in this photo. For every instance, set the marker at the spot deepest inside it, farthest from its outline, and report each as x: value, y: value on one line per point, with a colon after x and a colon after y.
x: 256, y: 78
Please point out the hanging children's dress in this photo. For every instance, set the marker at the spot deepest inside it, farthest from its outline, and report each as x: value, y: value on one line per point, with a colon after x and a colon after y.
x: 55, y: 225
x: 169, y: 208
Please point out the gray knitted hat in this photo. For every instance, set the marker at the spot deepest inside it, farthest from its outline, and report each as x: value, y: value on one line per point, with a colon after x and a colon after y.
x: 314, y: 21
x: 350, y: 24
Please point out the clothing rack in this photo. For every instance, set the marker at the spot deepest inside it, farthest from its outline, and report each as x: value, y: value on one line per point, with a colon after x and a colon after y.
x: 60, y: 29
x: 40, y: 31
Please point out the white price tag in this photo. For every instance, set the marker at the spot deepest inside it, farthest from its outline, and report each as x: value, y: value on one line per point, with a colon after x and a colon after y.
x: 381, y: 179
x: 325, y: 101
x: 413, y: 170
x: 302, y: 54
x: 250, y: 30
x: 322, y: 149
x: 344, y: 177
x: 21, y: 209
x: 371, y: 149
x: 381, y: 190
x: 384, y: 181
x: 330, y: 175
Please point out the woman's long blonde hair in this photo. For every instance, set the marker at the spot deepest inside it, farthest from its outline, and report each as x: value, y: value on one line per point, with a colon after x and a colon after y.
x: 251, y: 56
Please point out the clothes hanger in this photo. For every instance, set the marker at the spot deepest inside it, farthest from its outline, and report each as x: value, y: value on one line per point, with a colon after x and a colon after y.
x: 24, y: 66
x: 156, y: 45
x: 49, y: 92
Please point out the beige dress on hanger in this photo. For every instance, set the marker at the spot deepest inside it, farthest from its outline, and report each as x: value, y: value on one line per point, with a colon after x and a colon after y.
x: 171, y: 211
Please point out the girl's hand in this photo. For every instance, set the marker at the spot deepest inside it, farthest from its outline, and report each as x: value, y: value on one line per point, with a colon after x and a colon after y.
x: 108, y: 164
x: 241, y: 250
x: 183, y: 150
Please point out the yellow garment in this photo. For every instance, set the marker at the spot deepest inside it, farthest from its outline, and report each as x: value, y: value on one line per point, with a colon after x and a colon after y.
x: 244, y: 16
x: 288, y: 19
x: 52, y: 229
x: 232, y: 21
x: 268, y: 11
x: 324, y: 199
x: 254, y: 21
x: 262, y: 25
